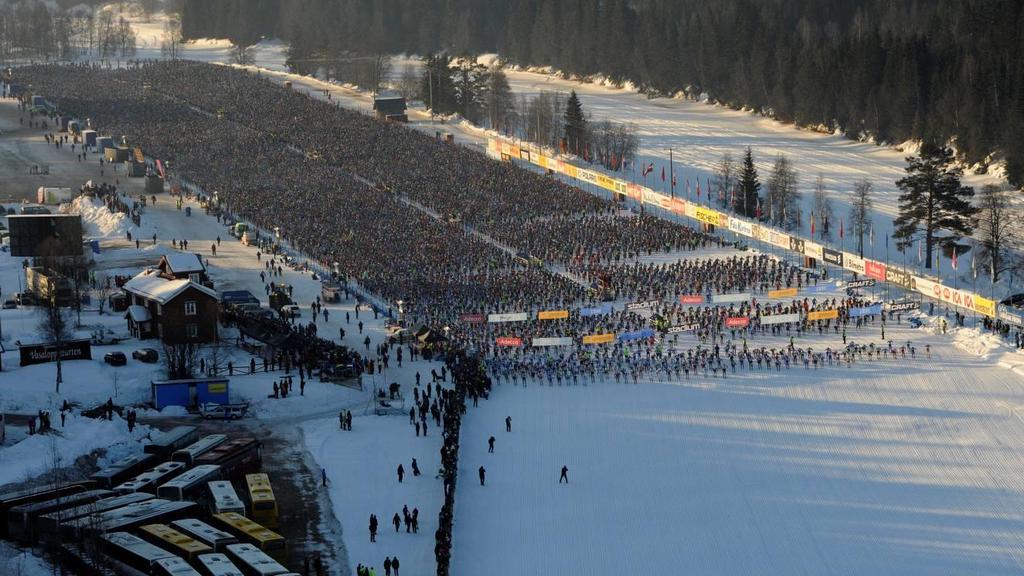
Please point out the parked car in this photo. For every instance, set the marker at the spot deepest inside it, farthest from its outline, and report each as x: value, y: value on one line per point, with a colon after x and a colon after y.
x: 115, y: 358
x: 291, y: 311
x: 210, y: 411
x: 147, y: 355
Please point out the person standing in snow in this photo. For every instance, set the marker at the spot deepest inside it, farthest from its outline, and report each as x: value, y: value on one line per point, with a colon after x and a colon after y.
x: 490, y: 445
x: 401, y: 473
x: 394, y: 565
x: 508, y: 423
x: 415, y: 468
x: 387, y: 566
x: 396, y: 521
x: 482, y: 474
x: 373, y: 527
x: 565, y: 475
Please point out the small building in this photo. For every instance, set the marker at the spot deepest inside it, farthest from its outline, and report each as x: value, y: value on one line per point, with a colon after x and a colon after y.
x: 184, y: 266
x: 45, y: 284
x: 389, y: 107
x: 176, y: 311
x: 190, y: 393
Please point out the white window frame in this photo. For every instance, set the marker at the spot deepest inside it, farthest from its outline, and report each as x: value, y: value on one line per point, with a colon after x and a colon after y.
x: 191, y: 308
x: 192, y: 330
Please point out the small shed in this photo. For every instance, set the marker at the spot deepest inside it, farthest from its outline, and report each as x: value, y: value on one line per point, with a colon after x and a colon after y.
x: 104, y: 142
x: 189, y: 393
x: 119, y: 154
x: 154, y: 184
x: 389, y: 107
x: 89, y: 137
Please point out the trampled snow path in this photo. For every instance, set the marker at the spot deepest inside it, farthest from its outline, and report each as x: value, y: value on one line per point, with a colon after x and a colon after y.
x: 901, y: 468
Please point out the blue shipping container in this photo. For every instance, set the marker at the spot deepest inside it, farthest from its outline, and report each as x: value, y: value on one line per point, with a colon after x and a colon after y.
x: 190, y: 393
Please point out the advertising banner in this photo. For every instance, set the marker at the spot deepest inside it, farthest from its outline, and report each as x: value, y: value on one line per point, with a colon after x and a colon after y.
x: 874, y: 270
x: 473, y: 318
x: 899, y: 277
x: 642, y: 304
x: 866, y: 311
x: 599, y: 338
x: 860, y: 283
x: 778, y: 239
x: 707, y: 215
x: 730, y: 298
x: 741, y: 227
x: 823, y: 315
x: 509, y: 341
x: 949, y: 295
x: 539, y: 342
x: 1010, y: 315
x: 691, y: 299
x: 737, y: 322
x: 553, y: 315
x: 636, y: 335
x: 985, y: 306
x: 903, y: 306
x: 509, y: 317
x: 853, y: 262
x: 783, y: 293
x: 759, y: 232
x: 796, y: 244
x: 813, y: 250
x: 43, y: 353
x: 780, y: 319
x: 833, y: 257
x: 596, y: 310
x: 679, y: 328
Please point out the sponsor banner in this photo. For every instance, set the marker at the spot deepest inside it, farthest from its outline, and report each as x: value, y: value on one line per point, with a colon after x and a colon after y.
x: 691, y: 299
x: 539, y: 342
x: 681, y: 328
x: 784, y: 293
x: 510, y: 317
x: 949, y: 295
x: 813, y: 249
x: 823, y: 315
x: 473, y: 318
x: 598, y: 338
x: 758, y: 232
x: 737, y: 322
x: 553, y: 315
x: 509, y: 341
x: 741, y: 227
x: 677, y: 205
x: 636, y: 335
x: 853, y: 262
x: 642, y: 304
x: 707, y: 215
x: 796, y: 244
x: 899, y: 277
x: 866, y: 311
x: 819, y: 288
x: 833, y: 257
x: 1010, y: 315
x: 691, y: 210
x: 903, y: 306
x: 776, y: 238
x: 985, y: 306
x: 596, y: 310
x: 605, y: 182
x: 780, y: 319
x: 860, y: 283
x: 874, y: 270
x: 43, y: 353
x: 730, y: 298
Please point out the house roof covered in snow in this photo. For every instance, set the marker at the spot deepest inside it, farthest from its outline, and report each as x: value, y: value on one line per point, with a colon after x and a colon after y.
x: 151, y: 286
x: 138, y: 314
x: 183, y: 263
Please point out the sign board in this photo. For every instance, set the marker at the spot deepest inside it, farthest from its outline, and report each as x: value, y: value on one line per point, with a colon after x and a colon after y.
x: 598, y: 338
x: 730, y: 298
x: 510, y: 317
x: 553, y: 315
x: 823, y: 315
x: 860, y: 283
x: 642, y: 304
x: 691, y: 299
x: 784, y: 293
x: 43, y: 353
x: 681, y: 328
x: 779, y: 319
x: 539, y: 342
x: 509, y: 341
x: 903, y: 306
x: 737, y: 322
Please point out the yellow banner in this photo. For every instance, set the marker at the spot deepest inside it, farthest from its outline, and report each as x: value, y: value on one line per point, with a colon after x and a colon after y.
x: 823, y: 315
x: 599, y: 338
x: 784, y: 293
x: 553, y: 315
x: 605, y: 182
x: 707, y: 216
x: 985, y: 306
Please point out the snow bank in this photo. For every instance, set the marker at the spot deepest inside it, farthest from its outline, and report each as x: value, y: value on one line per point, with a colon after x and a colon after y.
x: 99, y: 222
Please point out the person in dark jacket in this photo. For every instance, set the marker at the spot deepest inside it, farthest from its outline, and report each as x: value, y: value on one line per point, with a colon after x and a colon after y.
x: 396, y: 521
x: 373, y: 527
x: 401, y: 473
x: 482, y: 473
x: 490, y: 445
x: 565, y: 475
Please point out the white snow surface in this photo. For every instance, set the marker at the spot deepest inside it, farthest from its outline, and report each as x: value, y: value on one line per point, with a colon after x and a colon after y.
x: 97, y: 221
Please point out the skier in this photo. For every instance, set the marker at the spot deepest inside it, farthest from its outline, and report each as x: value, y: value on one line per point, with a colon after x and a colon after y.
x: 415, y: 468
x: 490, y: 445
x: 565, y: 475
x: 482, y: 473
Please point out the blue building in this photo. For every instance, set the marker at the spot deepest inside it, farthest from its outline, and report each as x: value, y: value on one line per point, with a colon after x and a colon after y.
x: 190, y: 393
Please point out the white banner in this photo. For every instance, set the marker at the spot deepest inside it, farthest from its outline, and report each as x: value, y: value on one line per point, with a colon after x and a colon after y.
x: 730, y: 298
x: 812, y: 249
x: 538, y: 342
x: 510, y: 317
x: 853, y: 262
x: 779, y: 319
x: 741, y: 226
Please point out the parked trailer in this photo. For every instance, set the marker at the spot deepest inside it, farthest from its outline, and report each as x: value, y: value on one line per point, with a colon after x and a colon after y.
x: 49, y: 524
x: 166, y: 443
x: 22, y: 521
x: 123, y: 470
x: 189, y: 453
x: 128, y: 517
x: 132, y: 551
x: 217, y: 565
x: 188, y: 483
x: 38, y: 494
x: 53, y: 195
x: 254, y: 562
x: 203, y: 532
x: 148, y: 481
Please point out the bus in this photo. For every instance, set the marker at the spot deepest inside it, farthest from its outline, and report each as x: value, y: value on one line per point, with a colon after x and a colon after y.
x: 223, y: 498
x: 133, y: 551
x: 217, y: 565
x: 180, y: 544
x: 189, y: 453
x: 22, y: 520
x: 129, y: 517
x: 203, y: 532
x: 123, y: 470
x: 38, y: 494
x: 254, y: 562
x: 49, y: 524
x: 189, y: 482
x: 166, y: 443
x: 236, y: 457
x: 262, y: 504
x: 174, y: 567
x: 148, y: 481
x: 263, y: 538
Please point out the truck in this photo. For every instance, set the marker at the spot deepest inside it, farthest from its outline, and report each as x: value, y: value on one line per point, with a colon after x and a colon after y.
x: 331, y: 292
x: 47, y: 195
x: 239, y: 228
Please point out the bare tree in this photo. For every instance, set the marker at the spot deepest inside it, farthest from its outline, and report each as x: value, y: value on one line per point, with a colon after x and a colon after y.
x: 170, y: 40
x: 822, y: 211
x: 996, y: 228
x: 860, y: 212
x: 409, y: 82
x: 725, y: 179
x: 215, y: 359
x: 180, y: 360
x: 104, y: 289
x: 784, y: 195
x: 242, y: 55
x: 54, y: 325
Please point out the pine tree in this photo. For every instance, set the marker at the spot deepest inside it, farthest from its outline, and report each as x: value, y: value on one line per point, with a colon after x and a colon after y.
x: 500, y: 101
x: 750, y: 187
x: 860, y: 213
x: 575, y: 125
x: 933, y: 201
x: 437, y: 87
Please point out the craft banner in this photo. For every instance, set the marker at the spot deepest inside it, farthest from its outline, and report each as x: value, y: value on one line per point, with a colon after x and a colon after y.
x: 730, y: 298
x: 553, y: 315
x: 596, y: 310
x: 599, y: 338
x: 636, y: 335
x: 818, y: 288
x: 866, y: 311
x: 860, y: 283
x: 707, y: 216
x: 823, y: 315
x: 510, y: 317
x: 780, y: 319
x: 681, y: 328
x: 473, y: 318
x: 642, y: 304
x: 691, y: 299
x: 783, y: 293
x: 778, y: 239
x: 903, y: 306
x: 539, y: 342
x: 509, y: 341
x: 899, y: 278
x: 737, y: 322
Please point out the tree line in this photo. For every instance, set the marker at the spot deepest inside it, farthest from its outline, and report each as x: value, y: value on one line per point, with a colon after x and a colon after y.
x: 950, y: 72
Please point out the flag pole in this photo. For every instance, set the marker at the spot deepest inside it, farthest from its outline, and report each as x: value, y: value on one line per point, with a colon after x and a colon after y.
x: 672, y: 173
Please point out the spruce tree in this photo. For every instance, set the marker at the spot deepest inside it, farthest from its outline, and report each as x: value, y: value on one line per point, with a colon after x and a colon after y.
x: 750, y: 187
x: 575, y: 125
x: 933, y: 201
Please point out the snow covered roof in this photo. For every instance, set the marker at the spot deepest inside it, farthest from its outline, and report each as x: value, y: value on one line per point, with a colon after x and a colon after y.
x: 151, y: 286
x: 138, y: 314
x: 183, y: 263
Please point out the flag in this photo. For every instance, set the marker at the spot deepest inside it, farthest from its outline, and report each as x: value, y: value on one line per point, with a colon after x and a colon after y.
x: 662, y: 173
x: 871, y: 236
x: 954, y: 258
x: 732, y: 197
x: 841, y: 228
x: 673, y: 178
x: 757, y: 210
x: 812, y: 224
x: 687, y: 187
x: 919, y: 257
x: 974, y: 266
x: 698, y: 188
x: 648, y: 169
